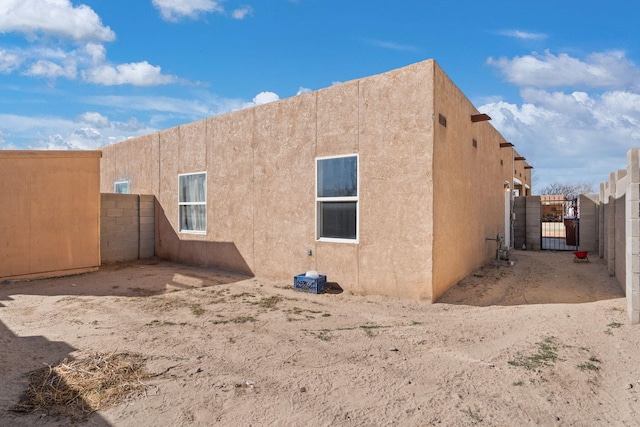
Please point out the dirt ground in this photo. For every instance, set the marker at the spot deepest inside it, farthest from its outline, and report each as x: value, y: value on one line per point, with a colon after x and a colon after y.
x: 545, y: 341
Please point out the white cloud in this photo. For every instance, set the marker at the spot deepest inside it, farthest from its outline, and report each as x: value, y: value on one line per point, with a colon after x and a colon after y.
x: 191, y: 109
x: 96, y: 52
x: 95, y: 119
x: 622, y: 102
x: 302, y: 90
x: 575, y: 134
x: 242, y: 12
x: 48, y: 69
x: 173, y: 10
x: 53, y: 17
x: 55, y: 133
x: 81, y: 24
x: 9, y: 62
x: 570, y: 137
x: 88, y: 61
x: 135, y: 73
x: 262, y: 98
x: 523, y: 35
x: 608, y: 70
x: 132, y: 125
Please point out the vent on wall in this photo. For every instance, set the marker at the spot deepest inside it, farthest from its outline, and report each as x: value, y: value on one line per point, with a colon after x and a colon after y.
x: 442, y: 120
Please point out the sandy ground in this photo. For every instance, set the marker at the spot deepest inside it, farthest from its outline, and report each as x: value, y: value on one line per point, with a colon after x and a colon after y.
x: 543, y: 342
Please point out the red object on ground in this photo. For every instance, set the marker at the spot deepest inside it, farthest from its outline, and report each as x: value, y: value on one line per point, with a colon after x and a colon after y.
x: 581, y: 254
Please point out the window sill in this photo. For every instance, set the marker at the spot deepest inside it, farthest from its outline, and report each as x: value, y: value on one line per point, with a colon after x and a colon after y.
x: 336, y: 240
x: 202, y: 233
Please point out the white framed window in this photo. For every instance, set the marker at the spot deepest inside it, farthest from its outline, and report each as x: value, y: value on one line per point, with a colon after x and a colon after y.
x: 121, y: 187
x: 337, y: 198
x: 192, y: 202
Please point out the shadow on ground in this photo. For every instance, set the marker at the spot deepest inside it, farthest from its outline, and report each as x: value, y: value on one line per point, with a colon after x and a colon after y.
x: 18, y: 357
x: 131, y: 279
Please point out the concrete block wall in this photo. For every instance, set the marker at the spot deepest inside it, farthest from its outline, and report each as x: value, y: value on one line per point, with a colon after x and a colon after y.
x: 601, y: 220
x: 127, y: 227
x: 533, y: 227
x: 610, y: 224
x: 620, y: 237
x: 527, y: 228
x: 632, y: 233
x: 619, y: 214
x: 520, y: 223
x: 589, y: 233
x: 147, y: 226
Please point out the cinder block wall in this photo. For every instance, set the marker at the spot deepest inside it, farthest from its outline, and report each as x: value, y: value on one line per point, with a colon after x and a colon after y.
x: 533, y: 227
x: 620, y: 235
x: 620, y: 242
x: 601, y: 220
x: 126, y: 227
x: 632, y: 233
x: 589, y: 234
x: 520, y: 224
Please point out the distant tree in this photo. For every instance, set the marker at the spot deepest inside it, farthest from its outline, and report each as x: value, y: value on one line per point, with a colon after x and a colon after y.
x: 570, y: 191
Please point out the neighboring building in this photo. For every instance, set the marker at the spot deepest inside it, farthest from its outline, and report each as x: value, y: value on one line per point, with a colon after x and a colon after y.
x: 553, y: 208
x: 389, y: 184
x: 50, y: 216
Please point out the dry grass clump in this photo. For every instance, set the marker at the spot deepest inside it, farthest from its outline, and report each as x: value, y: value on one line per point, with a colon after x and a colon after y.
x: 77, y: 388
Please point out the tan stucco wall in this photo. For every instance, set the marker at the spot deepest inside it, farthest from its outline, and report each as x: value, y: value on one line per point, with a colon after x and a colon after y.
x: 260, y: 164
x: 468, y: 188
x: 50, y: 223
x: 137, y: 161
x: 396, y: 147
x: 522, y: 173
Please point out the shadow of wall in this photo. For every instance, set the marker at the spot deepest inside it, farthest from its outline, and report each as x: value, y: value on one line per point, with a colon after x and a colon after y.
x: 220, y: 255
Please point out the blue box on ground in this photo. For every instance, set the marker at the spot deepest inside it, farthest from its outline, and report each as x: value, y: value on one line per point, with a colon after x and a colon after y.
x: 303, y: 283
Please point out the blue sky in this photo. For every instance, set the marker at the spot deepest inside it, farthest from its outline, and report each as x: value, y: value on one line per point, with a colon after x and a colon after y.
x: 561, y: 79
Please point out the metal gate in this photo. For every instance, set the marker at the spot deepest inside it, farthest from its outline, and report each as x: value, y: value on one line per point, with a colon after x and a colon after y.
x: 560, y: 223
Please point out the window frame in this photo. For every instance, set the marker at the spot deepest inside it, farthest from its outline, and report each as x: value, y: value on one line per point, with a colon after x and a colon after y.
x: 122, y: 181
x: 320, y: 200
x: 203, y: 203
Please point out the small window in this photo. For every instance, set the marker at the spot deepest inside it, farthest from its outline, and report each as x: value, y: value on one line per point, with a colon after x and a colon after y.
x: 337, y: 198
x: 442, y: 120
x: 121, y: 187
x: 192, y: 201
x: 474, y: 143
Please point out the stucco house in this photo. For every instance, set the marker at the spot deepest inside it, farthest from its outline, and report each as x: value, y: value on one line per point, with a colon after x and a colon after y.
x: 389, y: 184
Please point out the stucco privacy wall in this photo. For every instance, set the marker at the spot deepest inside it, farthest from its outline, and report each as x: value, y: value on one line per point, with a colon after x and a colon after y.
x: 261, y: 206
x: 469, y: 193
x: 50, y: 223
x: 126, y: 227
